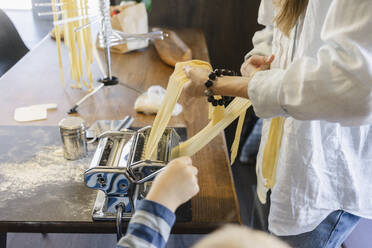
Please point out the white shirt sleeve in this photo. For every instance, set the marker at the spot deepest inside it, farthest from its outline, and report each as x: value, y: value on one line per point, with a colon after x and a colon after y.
x: 262, y: 39
x: 336, y: 85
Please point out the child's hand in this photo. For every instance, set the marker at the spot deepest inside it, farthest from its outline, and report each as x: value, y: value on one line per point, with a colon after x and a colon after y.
x: 176, y: 185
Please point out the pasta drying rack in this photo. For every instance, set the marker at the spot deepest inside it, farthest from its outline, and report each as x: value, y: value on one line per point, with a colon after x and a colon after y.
x: 107, y: 37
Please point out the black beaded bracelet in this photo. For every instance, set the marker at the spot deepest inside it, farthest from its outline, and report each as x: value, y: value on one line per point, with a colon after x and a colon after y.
x: 209, y: 83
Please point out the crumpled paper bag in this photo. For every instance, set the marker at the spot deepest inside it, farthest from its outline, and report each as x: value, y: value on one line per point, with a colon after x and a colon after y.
x: 132, y: 19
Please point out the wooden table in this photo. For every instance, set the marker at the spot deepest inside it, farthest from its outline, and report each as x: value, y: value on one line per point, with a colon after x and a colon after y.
x: 35, y: 80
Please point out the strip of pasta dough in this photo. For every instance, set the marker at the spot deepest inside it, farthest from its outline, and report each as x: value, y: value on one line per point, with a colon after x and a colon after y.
x: 175, y: 85
x: 238, y: 133
x: 236, y: 108
x: 271, y: 151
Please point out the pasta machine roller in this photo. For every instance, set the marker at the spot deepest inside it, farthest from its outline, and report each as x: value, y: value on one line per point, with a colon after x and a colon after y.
x: 121, y: 174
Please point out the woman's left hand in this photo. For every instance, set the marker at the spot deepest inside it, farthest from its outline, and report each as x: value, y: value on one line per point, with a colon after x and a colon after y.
x: 198, y: 76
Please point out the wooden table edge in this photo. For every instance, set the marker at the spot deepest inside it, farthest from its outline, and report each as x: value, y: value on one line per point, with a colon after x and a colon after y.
x: 99, y: 227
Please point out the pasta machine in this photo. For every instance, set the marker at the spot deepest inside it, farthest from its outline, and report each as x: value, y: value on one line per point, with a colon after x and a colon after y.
x: 121, y: 174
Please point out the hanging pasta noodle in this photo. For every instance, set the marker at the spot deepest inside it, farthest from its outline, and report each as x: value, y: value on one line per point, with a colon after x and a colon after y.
x: 79, y: 40
x: 79, y: 44
x: 87, y: 39
x: 69, y: 38
x: 58, y: 40
x: 271, y: 151
x: 219, y: 117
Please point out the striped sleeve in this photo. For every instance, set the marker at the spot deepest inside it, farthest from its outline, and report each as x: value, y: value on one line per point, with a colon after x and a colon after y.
x: 149, y: 227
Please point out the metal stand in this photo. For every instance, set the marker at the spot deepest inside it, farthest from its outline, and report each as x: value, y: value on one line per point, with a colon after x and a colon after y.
x: 110, y: 81
x: 105, y: 82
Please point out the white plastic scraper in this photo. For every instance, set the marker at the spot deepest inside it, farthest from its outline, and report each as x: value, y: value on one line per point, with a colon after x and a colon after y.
x: 33, y: 112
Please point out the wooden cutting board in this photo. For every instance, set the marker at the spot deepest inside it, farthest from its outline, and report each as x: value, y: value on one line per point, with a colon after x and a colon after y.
x: 172, y: 49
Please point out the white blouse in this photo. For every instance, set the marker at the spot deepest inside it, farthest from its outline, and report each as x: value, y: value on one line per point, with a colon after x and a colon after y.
x: 321, y: 80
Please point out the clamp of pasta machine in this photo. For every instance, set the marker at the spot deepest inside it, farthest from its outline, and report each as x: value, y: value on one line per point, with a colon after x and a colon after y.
x: 121, y: 174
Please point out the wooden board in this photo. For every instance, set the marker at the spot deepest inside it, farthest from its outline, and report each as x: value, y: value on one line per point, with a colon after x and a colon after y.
x: 35, y: 80
x: 172, y: 49
x: 228, y: 25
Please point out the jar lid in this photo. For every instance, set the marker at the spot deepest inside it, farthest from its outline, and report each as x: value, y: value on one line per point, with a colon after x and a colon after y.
x: 72, y: 123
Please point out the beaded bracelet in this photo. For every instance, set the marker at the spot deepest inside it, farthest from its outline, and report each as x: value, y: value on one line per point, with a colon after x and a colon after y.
x: 209, y: 83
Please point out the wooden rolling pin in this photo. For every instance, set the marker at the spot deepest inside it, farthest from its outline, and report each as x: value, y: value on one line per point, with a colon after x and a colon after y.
x: 172, y: 49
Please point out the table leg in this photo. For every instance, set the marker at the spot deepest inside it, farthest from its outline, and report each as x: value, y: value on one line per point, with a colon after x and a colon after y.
x: 3, y: 240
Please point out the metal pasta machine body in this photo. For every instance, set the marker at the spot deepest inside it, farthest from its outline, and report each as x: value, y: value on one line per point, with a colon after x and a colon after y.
x: 120, y: 172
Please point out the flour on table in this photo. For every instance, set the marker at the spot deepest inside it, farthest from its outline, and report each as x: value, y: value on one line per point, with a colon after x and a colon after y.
x: 46, y: 167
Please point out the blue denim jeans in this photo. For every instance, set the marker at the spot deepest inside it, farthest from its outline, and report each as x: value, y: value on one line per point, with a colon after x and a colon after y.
x: 331, y: 233
x: 252, y: 144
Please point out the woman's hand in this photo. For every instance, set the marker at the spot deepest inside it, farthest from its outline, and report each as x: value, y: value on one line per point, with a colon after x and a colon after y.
x: 254, y: 63
x: 176, y: 185
x: 226, y: 85
x: 198, y: 76
x: 223, y: 86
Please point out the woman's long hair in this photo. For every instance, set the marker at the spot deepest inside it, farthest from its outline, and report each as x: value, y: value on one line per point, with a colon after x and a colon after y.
x: 289, y: 12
